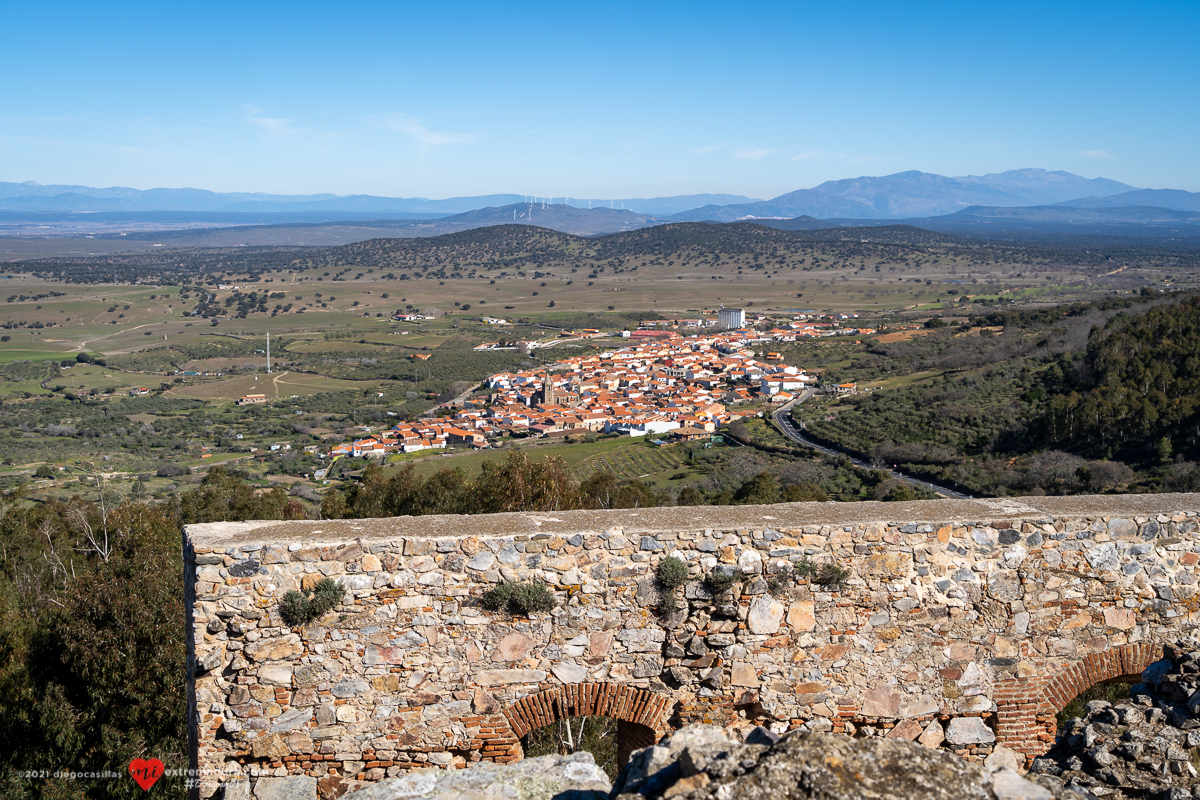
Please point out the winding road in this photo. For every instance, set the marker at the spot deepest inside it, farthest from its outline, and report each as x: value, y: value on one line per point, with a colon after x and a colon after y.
x: 783, y: 422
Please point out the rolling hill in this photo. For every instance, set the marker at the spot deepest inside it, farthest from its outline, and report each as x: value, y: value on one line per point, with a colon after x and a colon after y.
x: 1175, y: 199
x: 563, y: 218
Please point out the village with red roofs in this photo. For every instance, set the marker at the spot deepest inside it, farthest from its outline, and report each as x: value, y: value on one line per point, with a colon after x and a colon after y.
x: 664, y: 384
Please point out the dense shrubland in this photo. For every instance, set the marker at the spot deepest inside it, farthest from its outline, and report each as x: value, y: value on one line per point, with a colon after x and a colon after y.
x: 1133, y: 393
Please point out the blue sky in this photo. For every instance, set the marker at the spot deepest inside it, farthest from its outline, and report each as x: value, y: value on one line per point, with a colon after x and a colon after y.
x: 593, y: 99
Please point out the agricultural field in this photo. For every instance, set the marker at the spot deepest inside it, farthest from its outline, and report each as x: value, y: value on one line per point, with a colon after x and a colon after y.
x: 275, y: 385
x: 189, y: 326
x: 673, y: 269
x: 625, y: 457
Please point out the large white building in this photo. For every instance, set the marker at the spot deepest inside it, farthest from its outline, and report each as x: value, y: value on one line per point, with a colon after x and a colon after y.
x: 731, y: 317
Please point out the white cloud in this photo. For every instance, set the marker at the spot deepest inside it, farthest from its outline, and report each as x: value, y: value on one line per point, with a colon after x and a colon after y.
x: 750, y: 155
x: 1103, y: 155
x: 420, y: 134
x: 275, y: 125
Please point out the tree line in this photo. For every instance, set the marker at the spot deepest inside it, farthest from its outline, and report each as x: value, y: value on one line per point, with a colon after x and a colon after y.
x: 1095, y: 397
x: 518, y: 483
x: 1133, y: 393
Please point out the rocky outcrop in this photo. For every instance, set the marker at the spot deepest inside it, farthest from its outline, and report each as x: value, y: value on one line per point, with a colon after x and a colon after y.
x: 573, y: 777
x: 701, y: 762
x: 705, y: 763
x: 1142, y: 747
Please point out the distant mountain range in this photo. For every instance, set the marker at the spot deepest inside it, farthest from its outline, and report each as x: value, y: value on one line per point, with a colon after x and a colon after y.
x: 34, y: 197
x: 1031, y: 196
x: 31, y: 196
x: 916, y: 194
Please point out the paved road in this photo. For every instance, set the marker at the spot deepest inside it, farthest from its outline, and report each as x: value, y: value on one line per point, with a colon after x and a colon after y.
x: 453, y: 402
x: 784, y: 422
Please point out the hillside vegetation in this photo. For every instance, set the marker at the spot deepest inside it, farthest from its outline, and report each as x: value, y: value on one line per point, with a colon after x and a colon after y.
x: 92, y: 640
x: 1134, y: 392
x: 1086, y: 397
x: 525, y: 247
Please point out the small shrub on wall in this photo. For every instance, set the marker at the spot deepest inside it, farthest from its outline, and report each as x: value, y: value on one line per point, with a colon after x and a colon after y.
x: 298, y: 608
x: 519, y: 598
x: 671, y: 572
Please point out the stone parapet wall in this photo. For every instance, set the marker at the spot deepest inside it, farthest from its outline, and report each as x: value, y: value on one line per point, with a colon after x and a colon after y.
x: 960, y: 624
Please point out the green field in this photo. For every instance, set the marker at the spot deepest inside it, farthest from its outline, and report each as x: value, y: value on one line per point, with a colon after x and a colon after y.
x: 49, y: 352
x: 625, y: 457
x: 279, y: 384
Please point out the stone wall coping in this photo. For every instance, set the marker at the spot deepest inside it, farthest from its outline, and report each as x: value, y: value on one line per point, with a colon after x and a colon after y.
x: 220, y: 535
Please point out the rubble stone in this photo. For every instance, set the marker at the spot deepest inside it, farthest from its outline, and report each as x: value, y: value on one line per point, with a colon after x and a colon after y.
x: 1139, y: 747
x: 949, y: 618
x: 575, y: 776
x: 766, y: 613
x: 293, y: 787
x: 705, y: 763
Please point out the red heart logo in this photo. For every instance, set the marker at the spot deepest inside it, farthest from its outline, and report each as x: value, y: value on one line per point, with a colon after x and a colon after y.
x: 146, y: 771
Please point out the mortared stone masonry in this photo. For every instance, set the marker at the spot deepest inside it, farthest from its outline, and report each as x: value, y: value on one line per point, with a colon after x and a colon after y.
x: 964, y: 625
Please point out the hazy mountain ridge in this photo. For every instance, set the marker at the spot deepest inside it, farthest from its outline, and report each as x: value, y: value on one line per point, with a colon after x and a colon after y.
x: 916, y: 194
x: 1028, y: 202
x: 126, y: 198
x: 1176, y: 199
x: 901, y: 195
x: 666, y: 206
x: 34, y: 197
x: 30, y: 196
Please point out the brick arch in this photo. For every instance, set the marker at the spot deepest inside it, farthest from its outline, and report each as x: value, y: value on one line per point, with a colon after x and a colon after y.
x: 1026, y: 708
x: 640, y: 714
